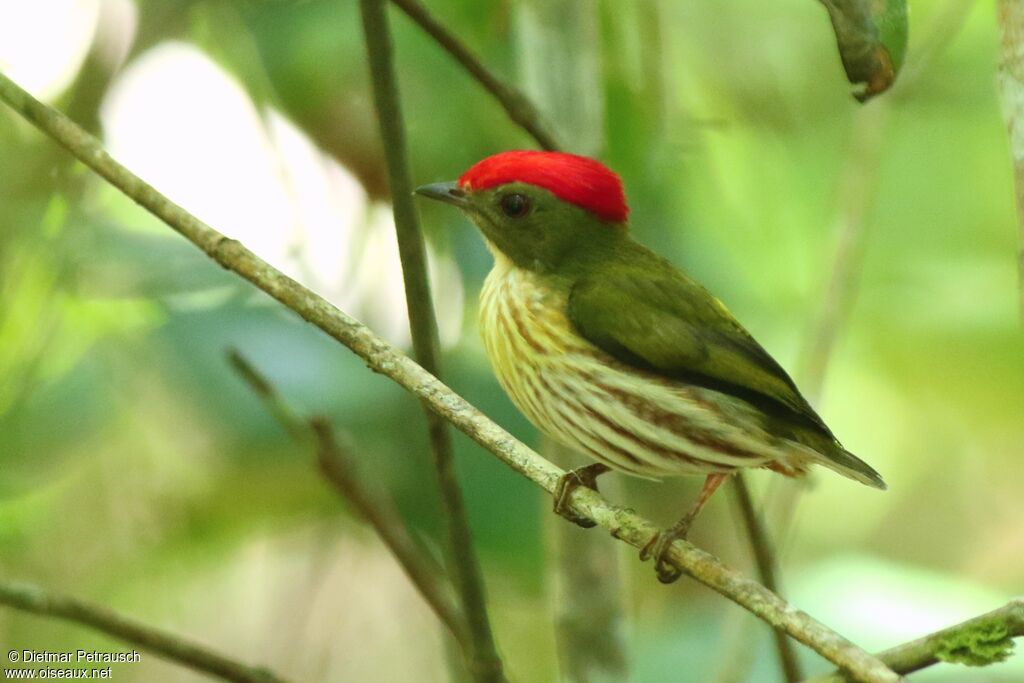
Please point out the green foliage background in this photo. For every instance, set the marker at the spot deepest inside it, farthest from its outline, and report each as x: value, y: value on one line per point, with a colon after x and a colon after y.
x: 136, y: 470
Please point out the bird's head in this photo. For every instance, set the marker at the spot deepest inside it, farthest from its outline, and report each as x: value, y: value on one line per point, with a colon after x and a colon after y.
x: 537, y: 208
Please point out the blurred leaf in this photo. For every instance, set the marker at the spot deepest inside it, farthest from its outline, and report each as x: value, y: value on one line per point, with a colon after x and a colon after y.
x: 872, y: 40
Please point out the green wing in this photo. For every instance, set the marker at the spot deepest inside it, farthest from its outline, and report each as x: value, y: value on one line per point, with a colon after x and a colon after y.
x: 657, y: 319
x: 651, y: 316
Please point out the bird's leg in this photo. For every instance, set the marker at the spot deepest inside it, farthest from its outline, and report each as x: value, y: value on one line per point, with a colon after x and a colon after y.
x: 581, y: 476
x: 659, y: 545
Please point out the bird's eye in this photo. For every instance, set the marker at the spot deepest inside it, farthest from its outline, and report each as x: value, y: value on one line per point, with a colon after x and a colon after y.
x: 515, y: 205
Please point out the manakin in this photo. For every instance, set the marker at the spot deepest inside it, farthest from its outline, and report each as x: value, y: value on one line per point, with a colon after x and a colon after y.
x: 612, y: 351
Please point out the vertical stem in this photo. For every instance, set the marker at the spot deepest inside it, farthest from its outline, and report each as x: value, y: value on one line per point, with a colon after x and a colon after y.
x: 559, y: 65
x: 590, y: 630
x: 1011, y: 89
x: 766, y: 569
x: 485, y: 664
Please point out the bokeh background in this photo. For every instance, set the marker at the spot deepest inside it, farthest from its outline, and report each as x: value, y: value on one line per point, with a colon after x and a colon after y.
x: 136, y: 470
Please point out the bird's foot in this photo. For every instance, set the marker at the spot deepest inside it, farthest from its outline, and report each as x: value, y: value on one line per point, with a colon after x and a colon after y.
x: 568, y: 482
x: 658, y: 547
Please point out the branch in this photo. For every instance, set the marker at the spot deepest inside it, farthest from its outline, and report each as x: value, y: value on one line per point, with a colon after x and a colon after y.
x: 284, y: 414
x: 1011, y: 90
x: 485, y: 664
x: 980, y: 641
x: 765, y: 562
x: 872, y: 40
x: 178, y: 649
x: 518, y: 107
x: 374, y: 506
x: 381, y: 357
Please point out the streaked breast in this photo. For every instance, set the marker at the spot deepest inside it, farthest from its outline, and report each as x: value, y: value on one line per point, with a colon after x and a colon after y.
x: 587, y: 400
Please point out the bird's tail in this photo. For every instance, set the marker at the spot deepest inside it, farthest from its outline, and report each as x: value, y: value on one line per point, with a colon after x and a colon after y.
x: 849, y: 465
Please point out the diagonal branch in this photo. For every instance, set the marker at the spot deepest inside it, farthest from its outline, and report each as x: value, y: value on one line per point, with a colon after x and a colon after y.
x: 518, y: 107
x: 983, y: 640
x: 171, y: 647
x: 381, y: 357
x: 373, y: 505
x: 428, y: 577
x: 485, y: 664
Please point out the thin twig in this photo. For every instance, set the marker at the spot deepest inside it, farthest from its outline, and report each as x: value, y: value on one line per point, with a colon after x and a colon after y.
x: 381, y: 357
x: 373, y: 505
x: 174, y: 648
x: 986, y: 639
x: 765, y: 561
x: 340, y: 470
x: 485, y: 664
x: 518, y: 107
x: 291, y: 422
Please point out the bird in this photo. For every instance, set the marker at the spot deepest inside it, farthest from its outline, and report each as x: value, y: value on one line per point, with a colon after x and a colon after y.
x: 612, y: 351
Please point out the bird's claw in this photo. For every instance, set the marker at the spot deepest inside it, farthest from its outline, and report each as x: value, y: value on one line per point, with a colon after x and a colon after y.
x: 567, y: 483
x: 657, y: 548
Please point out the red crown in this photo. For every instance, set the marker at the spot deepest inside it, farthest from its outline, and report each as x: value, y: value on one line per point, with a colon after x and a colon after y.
x: 578, y: 180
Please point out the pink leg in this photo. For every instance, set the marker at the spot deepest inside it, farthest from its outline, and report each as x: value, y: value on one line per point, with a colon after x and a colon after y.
x: 659, y: 545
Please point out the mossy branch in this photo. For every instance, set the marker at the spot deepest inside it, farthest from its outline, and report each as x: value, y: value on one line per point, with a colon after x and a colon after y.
x: 983, y: 640
x: 174, y: 648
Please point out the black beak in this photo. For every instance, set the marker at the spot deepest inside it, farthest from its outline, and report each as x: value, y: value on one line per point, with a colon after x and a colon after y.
x: 450, y: 193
